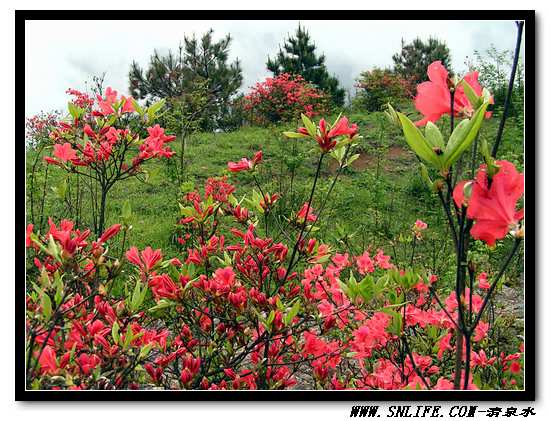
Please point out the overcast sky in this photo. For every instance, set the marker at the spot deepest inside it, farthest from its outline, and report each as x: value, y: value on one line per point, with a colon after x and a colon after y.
x: 65, y: 54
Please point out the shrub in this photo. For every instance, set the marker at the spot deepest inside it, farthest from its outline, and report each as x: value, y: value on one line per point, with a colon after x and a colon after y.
x: 284, y: 98
x: 107, y: 140
x: 494, y: 68
x: 38, y: 128
x: 378, y: 87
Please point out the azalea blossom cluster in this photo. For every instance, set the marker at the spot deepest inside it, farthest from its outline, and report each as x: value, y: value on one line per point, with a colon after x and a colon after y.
x: 227, y: 316
x: 80, y: 99
x: 79, y: 337
x: 284, y: 98
x: 38, y: 127
x: 325, y: 134
x: 98, y: 135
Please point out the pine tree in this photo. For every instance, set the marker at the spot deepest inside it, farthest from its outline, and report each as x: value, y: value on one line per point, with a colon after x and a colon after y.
x: 197, y: 62
x: 414, y: 58
x: 297, y: 56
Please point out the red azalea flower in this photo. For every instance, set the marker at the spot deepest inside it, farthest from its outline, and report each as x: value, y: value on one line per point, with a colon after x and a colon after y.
x: 483, y: 283
x: 28, y: 241
x: 110, y: 232
x: 245, y: 164
x: 128, y: 105
x: 148, y: 259
x: 64, y: 152
x: 106, y: 105
x: 162, y: 286
x: 306, y: 209
x: 433, y: 98
x: 48, y: 361
x: 418, y: 227
x: 493, y: 208
x: 515, y: 367
x: 326, y: 139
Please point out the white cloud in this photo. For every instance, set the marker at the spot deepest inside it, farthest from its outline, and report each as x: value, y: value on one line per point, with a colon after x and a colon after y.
x: 63, y: 54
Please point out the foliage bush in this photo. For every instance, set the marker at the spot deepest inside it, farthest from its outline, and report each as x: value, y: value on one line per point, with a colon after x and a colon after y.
x: 104, y: 141
x: 377, y: 87
x: 284, y: 98
x: 494, y: 68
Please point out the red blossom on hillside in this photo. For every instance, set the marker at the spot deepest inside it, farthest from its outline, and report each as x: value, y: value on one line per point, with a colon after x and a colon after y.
x: 492, y: 206
x: 284, y: 97
x: 245, y: 164
x: 80, y: 99
x: 146, y: 260
x: 433, y: 98
x: 326, y: 135
x: 306, y: 214
x: 64, y: 152
x: 110, y: 232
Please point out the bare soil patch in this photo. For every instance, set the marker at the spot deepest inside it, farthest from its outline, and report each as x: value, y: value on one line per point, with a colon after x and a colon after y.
x: 394, y: 156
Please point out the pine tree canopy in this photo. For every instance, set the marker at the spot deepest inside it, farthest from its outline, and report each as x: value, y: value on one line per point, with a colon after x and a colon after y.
x: 297, y: 56
x: 414, y: 58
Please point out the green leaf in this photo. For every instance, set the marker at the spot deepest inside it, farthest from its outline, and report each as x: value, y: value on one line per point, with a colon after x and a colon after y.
x: 186, y: 210
x: 471, y: 94
x: 338, y: 154
x: 112, y: 120
x: 292, y: 313
x: 397, y: 321
x: 426, y: 176
x: 145, y: 350
x: 417, y: 142
x: 128, y: 338
x: 463, y: 136
x: 270, y: 318
x: 61, y: 189
x: 137, y: 107
x: 53, y: 249
x: 74, y: 110
x: 391, y: 115
x: 162, y: 304
x: 137, y: 296
x: 310, y: 127
x: 344, y: 142
x: 126, y: 211
x: 46, y: 307
x: 353, y: 286
x: 366, y: 288
x: 58, y: 283
x: 487, y: 97
x: 115, y: 332
x: 154, y: 109
x: 345, y: 289
x: 434, y: 136
x: 294, y: 135
x: 350, y: 160
x: 337, y: 120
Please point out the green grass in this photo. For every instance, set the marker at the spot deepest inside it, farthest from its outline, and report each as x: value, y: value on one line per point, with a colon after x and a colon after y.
x: 374, y: 202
